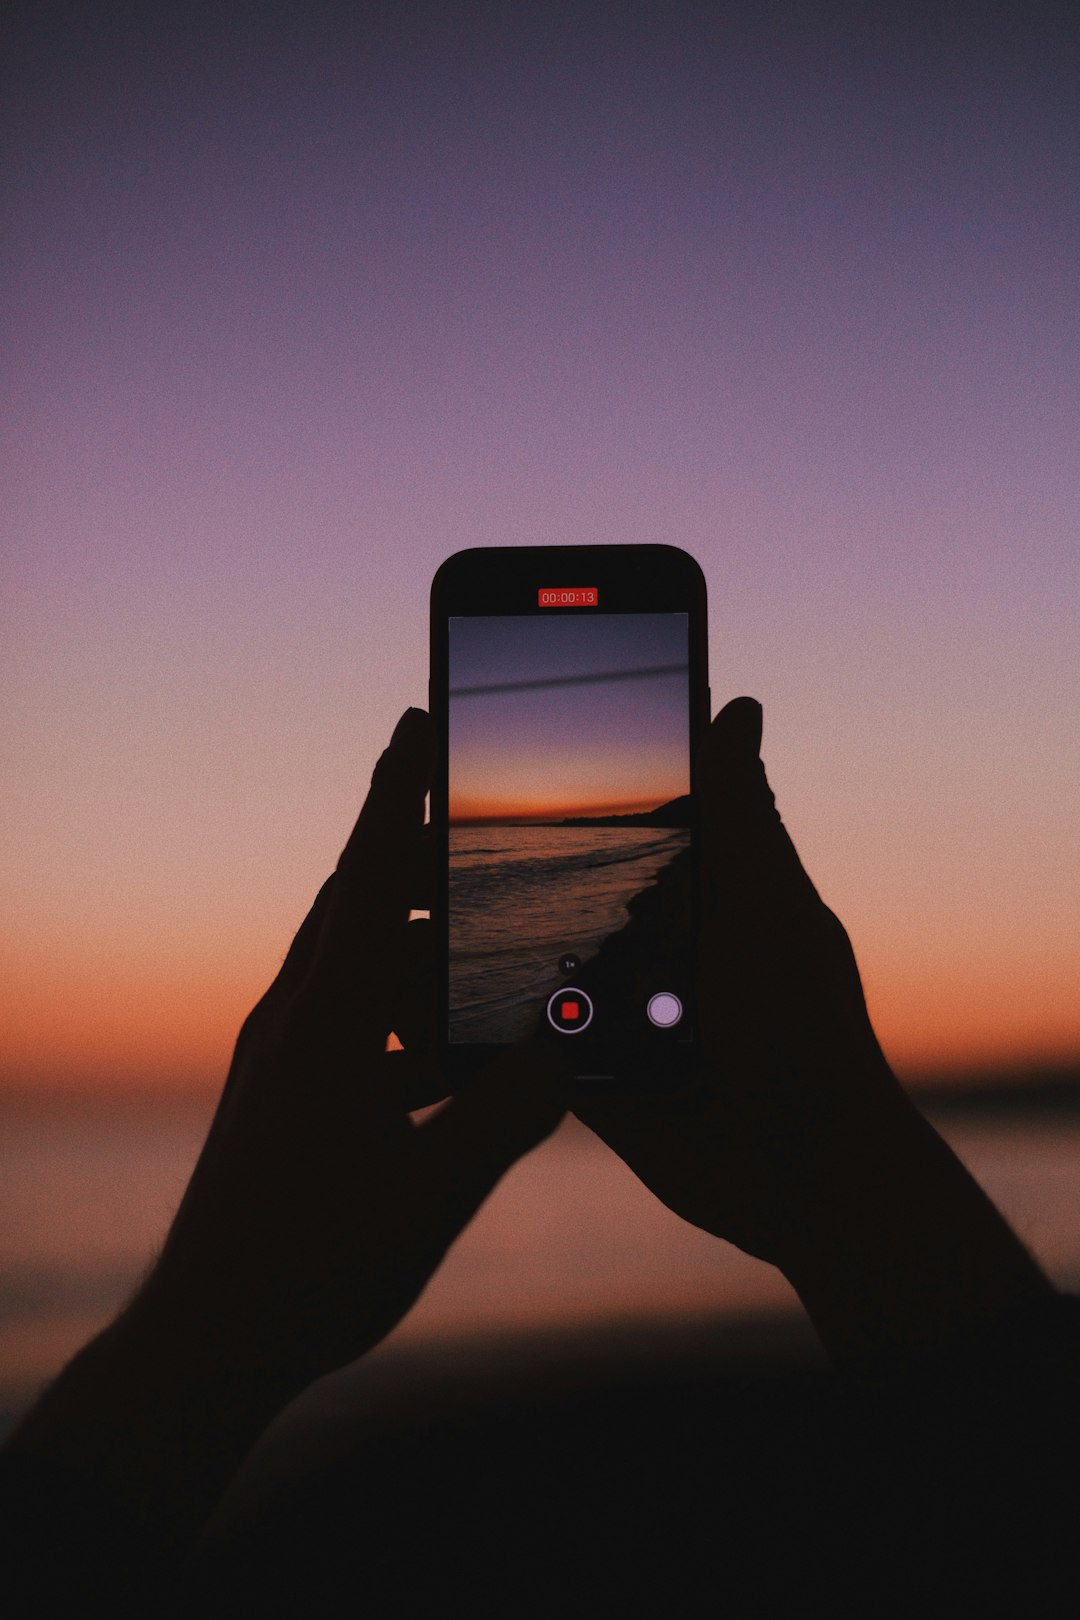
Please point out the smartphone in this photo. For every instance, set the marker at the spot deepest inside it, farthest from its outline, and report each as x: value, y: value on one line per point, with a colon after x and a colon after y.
x: 569, y: 689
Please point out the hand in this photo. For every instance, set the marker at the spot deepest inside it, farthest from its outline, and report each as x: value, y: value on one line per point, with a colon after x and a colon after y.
x: 318, y: 1209
x: 789, y: 1052
x: 796, y: 1142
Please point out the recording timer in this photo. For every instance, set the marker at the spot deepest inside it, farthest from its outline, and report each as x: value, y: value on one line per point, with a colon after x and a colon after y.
x: 570, y: 596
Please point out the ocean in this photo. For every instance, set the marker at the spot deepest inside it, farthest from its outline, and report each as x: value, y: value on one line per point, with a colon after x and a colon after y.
x: 522, y: 897
x: 570, y: 1239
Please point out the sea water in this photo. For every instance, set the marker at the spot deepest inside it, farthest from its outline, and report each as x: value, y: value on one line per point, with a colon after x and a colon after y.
x: 570, y: 1238
x: 522, y: 897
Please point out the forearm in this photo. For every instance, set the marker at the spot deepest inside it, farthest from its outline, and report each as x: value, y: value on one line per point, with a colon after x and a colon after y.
x: 898, y: 1253
x: 152, y: 1427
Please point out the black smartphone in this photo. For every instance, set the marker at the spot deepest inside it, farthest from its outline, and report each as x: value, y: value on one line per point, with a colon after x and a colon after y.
x: 569, y: 688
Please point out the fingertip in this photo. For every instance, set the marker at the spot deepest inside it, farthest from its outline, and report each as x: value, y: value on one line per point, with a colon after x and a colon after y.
x: 408, y: 757
x: 732, y: 776
x: 736, y: 730
x: 413, y: 729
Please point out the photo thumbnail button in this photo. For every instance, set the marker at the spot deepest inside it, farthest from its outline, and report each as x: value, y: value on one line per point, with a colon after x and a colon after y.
x: 569, y: 1011
x: 664, y: 1009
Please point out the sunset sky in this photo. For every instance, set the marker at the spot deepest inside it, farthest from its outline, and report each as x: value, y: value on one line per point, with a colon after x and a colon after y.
x: 614, y: 742
x: 301, y: 299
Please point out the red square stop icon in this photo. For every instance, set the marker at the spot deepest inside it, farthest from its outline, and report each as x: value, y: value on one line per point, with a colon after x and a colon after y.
x: 569, y: 1011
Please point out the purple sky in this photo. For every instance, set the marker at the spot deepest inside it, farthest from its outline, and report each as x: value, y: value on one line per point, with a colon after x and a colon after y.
x: 300, y: 299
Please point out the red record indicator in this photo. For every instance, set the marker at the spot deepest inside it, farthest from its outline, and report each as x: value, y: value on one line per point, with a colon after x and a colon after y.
x: 569, y: 596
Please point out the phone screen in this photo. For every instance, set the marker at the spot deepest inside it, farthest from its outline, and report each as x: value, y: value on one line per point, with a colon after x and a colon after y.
x: 569, y: 825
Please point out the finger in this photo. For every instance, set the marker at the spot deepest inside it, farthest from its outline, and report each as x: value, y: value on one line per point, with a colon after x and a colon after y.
x: 411, y: 999
x: 748, y: 850
x: 301, y: 952
x: 421, y: 878
x: 758, y: 898
x: 486, y: 1127
x: 393, y: 812
x: 777, y: 968
x: 370, y: 901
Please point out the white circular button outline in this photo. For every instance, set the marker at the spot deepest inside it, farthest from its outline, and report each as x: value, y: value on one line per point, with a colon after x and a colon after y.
x: 566, y: 990
x: 664, y: 1001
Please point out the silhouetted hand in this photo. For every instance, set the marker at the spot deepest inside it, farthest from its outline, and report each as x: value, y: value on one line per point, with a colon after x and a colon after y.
x: 796, y: 1142
x: 785, y: 1032
x: 318, y: 1209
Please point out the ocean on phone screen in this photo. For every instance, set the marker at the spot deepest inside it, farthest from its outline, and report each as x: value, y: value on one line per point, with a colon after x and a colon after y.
x: 522, y: 897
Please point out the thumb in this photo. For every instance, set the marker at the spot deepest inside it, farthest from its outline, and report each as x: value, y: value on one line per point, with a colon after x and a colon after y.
x: 749, y: 855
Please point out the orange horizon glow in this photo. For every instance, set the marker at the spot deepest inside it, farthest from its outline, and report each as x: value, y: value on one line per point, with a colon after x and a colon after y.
x: 486, y: 813
x: 109, y: 1019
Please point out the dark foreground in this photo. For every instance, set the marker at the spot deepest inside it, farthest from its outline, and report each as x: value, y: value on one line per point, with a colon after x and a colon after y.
x: 716, y: 1469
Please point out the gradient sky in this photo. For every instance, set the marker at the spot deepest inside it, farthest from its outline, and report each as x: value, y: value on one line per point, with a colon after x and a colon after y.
x: 301, y: 299
x: 596, y: 748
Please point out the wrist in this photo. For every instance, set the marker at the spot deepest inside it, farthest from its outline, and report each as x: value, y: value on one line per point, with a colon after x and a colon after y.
x: 898, y: 1253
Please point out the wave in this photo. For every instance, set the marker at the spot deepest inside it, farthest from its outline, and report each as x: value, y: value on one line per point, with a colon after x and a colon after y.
x: 524, y: 875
